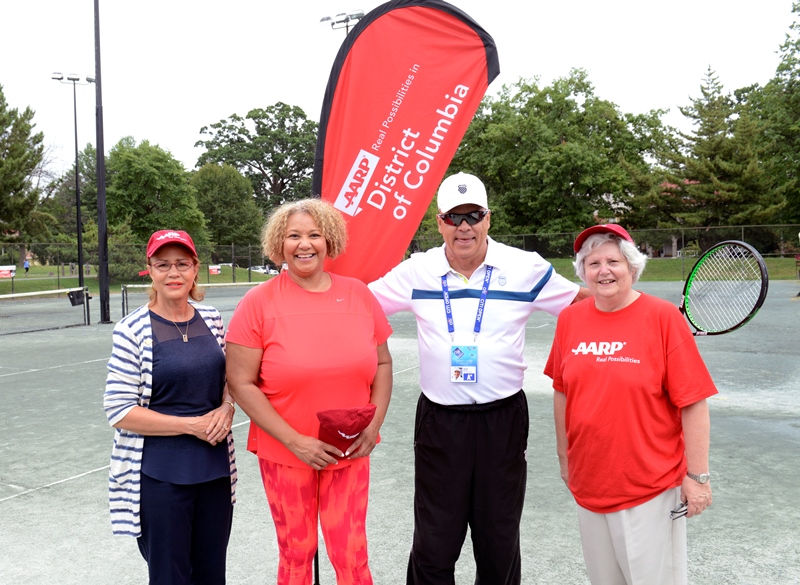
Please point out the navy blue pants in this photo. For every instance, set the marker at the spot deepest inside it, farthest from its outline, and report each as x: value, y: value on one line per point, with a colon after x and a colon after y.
x: 469, y: 470
x: 185, y: 531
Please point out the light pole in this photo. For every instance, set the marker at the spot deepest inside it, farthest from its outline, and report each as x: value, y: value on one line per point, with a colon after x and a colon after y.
x: 75, y: 80
x: 343, y: 20
x: 102, y: 222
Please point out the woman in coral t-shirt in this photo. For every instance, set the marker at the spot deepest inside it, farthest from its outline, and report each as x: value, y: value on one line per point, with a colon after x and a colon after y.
x: 304, y: 342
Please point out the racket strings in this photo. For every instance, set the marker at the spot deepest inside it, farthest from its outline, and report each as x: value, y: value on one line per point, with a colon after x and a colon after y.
x: 725, y: 289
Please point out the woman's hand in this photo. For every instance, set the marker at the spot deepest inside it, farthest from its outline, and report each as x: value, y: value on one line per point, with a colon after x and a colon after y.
x: 143, y: 421
x: 197, y: 425
x: 365, y: 442
x: 314, y: 452
x: 696, y: 495
x: 563, y: 465
x: 220, y: 424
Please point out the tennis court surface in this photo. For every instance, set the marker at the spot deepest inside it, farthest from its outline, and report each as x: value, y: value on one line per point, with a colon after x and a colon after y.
x: 54, y: 526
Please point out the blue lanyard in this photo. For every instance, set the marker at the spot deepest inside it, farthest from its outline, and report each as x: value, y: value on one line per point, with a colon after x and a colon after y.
x: 448, y: 308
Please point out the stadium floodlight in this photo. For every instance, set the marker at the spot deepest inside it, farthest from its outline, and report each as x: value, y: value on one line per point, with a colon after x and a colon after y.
x: 345, y: 20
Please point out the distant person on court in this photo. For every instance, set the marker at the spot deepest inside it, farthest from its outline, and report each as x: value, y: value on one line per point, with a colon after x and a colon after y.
x: 26, y: 265
x: 173, y: 475
x: 631, y: 419
x: 306, y: 342
x: 472, y: 298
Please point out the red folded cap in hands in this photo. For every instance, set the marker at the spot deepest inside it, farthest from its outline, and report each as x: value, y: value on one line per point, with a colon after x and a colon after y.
x: 340, y: 427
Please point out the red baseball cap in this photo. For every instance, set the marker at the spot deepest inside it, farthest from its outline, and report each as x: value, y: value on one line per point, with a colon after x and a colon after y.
x: 165, y: 237
x: 340, y: 427
x: 606, y: 228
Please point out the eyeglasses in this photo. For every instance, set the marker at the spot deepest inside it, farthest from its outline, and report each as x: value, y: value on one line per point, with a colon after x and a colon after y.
x: 680, y: 511
x: 182, y: 266
x: 471, y: 218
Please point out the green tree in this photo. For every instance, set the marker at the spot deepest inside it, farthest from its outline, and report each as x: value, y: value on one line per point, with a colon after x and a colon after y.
x: 87, y: 163
x: 58, y: 249
x: 716, y: 175
x: 780, y: 104
x: 149, y: 190
x: 226, y: 199
x: 126, y: 255
x: 273, y: 147
x: 558, y: 158
x: 21, y: 152
x: 58, y: 199
x: 758, y: 197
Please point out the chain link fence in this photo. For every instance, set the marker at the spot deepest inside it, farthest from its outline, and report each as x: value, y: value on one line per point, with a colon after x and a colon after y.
x: 770, y: 240
x: 233, y: 262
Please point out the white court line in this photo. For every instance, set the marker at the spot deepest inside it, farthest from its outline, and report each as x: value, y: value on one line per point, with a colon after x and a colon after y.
x: 539, y: 326
x: 53, y: 368
x: 406, y: 370
x: 80, y: 475
x: 246, y: 422
x: 52, y: 484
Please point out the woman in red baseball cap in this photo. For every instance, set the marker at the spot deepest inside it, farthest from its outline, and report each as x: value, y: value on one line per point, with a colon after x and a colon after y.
x: 173, y: 475
x: 632, y: 423
x: 303, y: 347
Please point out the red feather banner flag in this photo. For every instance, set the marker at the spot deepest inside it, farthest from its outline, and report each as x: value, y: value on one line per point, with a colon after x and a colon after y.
x: 403, y: 89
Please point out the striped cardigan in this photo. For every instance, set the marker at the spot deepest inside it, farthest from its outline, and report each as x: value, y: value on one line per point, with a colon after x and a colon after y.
x: 130, y: 383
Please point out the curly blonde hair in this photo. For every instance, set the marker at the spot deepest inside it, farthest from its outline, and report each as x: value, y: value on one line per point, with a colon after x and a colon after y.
x: 329, y: 221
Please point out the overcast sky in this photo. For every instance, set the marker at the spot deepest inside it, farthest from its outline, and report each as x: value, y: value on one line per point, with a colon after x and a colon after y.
x: 173, y: 66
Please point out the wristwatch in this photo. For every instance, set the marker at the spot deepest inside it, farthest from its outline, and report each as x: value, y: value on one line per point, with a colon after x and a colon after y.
x: 699, y: 478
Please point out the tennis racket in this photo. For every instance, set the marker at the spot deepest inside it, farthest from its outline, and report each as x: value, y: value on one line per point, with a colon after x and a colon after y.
x: 725, y: 289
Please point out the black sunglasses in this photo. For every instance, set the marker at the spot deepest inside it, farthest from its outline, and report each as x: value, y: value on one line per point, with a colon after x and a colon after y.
x: 471, y: 218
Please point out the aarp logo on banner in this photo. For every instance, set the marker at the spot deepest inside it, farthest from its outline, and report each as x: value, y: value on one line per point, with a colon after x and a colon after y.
x: 355, y: 185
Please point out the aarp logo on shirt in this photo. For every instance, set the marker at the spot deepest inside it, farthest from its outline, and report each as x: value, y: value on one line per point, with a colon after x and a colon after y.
x: 598, y: 347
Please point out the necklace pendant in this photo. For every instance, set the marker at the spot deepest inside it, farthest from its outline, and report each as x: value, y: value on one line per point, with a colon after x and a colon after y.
x: 185, y: 336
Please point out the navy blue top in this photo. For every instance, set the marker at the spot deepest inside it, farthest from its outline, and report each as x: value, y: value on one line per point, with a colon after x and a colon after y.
x: 188, y: 380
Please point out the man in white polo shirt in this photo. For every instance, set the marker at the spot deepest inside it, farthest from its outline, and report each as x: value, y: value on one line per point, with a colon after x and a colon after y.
x: 472, y: 298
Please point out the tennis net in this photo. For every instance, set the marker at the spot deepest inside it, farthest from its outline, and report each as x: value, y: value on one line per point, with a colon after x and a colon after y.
x: 223, y: 296
x: 45, y: 310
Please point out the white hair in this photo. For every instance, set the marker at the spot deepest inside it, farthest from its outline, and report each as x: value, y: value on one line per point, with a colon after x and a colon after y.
x: 636, y: 260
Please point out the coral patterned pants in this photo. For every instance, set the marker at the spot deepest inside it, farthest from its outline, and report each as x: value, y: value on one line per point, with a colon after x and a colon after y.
x: 338, y: 495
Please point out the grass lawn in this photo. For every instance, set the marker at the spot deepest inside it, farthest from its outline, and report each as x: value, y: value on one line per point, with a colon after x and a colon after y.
x: 666, y: 269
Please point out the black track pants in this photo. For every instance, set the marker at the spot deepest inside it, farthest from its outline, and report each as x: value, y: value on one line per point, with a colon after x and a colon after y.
x: 470, y: 470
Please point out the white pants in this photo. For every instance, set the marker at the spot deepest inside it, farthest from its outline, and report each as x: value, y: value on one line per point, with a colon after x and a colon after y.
x: 638, y: 546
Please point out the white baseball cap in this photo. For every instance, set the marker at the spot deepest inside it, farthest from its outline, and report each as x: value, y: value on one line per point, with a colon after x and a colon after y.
x: 461, y: 189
